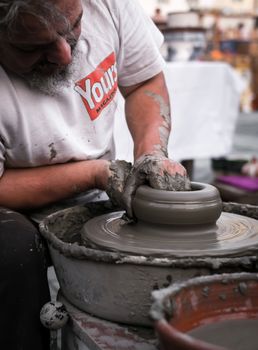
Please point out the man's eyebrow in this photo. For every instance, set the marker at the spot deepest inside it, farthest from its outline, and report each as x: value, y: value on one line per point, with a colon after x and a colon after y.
x: 38, y: 45
x: 72, y: 26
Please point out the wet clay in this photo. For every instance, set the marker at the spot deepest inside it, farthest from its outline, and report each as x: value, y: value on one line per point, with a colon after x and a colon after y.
x: 63, y: 230
x: 201, y: 205
x: 231, y: 334
x: 175, y: 224
x: 149, y: 170
x: 231, y: 235
x: 120, y: 170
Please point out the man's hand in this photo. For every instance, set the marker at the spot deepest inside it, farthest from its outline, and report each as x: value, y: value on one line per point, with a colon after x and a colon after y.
x: 119, y: 171
x: 157, y: 171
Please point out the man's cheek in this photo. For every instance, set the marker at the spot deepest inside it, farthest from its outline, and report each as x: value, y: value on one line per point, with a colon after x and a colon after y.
x: 24, y: 60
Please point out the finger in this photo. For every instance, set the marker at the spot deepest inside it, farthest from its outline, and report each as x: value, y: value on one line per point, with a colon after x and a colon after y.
x: 175, y: 168
x: 129, y: 191
x: 169, y: 182
x: 134, y: 180
x: 119, y: 170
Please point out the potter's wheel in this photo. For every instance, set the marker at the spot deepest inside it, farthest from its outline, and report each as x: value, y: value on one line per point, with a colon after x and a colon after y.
x: 180, y: 224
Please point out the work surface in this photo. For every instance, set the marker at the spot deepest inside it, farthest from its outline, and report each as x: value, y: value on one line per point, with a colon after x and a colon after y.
x: 205, y: 99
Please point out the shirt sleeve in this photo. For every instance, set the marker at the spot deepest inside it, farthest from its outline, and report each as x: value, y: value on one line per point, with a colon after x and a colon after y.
x: 139, y: 57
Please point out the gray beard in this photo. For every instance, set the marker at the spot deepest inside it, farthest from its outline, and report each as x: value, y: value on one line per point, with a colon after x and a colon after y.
x: 55, y: 83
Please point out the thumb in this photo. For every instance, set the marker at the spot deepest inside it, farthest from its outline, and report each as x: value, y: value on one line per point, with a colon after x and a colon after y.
x: 134, y: 180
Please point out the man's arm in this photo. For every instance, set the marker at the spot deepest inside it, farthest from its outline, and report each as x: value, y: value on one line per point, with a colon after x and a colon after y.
x: 148, y: 118
x: 36, y: 187
x: 147, y: 112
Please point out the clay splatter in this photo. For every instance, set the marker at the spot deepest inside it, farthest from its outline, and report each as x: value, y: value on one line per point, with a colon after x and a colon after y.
x: 53, y: 152
x: 205, y: 291
x: 164, y: 129
x: 242, y: 287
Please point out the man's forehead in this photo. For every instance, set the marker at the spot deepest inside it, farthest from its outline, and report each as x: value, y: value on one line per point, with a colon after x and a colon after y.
x: 67, y: 7
x: 29, y: 27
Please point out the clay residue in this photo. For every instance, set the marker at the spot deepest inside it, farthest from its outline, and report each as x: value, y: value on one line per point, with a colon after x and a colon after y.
x: 149, y: 169
x: 119, y: 170
x: 164, y: 129
x: 241, y: 209
x: 242, y: 287
x: 205, y: 291
x: 163, y: 299
x: 164, y: 135
x: 164, y: 107
x: 53, y: 152
x: 169, y: 182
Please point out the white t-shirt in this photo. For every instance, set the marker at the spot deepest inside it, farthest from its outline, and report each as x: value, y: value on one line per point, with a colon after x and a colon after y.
x: 119, y: 45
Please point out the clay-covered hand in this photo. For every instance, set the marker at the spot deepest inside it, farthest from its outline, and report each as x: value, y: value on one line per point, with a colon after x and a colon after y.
x: 119, y: 171
x: 158, y: 172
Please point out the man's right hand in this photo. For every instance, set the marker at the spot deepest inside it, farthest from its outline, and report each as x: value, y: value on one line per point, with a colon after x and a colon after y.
x: 119, y: 171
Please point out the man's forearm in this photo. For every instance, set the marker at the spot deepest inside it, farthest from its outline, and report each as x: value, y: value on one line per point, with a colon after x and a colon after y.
x: 148, y: 116
x: 35, y: 187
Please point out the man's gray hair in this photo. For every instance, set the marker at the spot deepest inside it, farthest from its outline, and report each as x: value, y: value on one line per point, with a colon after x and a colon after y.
x: 45, y: 11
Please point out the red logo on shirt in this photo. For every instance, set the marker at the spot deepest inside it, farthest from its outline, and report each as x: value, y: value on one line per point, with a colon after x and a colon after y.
x: 98, y: 89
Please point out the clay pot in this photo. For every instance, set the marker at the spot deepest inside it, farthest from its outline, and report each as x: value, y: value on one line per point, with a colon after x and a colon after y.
x: 201, y: 205
x: 205, y: 301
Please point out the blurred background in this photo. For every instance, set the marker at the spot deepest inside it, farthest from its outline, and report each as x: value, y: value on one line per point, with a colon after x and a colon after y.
x: 212, y: 30
x: 211, y: 53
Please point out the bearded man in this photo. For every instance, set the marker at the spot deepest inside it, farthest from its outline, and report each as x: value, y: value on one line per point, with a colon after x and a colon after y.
x: 62, y: 63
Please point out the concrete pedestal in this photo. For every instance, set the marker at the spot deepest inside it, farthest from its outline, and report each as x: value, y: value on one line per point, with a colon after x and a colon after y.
x: 85, y: 332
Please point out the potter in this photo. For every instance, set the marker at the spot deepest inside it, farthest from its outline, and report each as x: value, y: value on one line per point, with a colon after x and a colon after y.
x: 62, y: 63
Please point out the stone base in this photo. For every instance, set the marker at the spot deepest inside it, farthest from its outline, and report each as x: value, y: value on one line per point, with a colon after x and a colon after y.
x: 85, y: 332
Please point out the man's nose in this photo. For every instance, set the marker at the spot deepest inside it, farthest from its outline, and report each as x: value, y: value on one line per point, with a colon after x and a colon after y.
x: 60, y: 53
